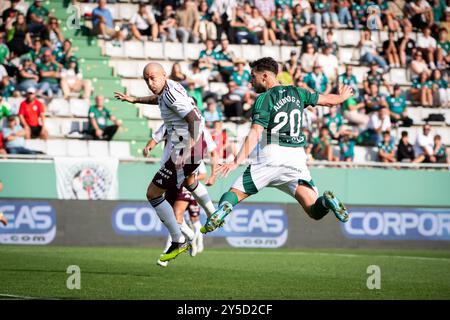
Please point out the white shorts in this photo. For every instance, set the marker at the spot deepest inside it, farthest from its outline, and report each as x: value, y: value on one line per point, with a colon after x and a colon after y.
x: 276, y: 166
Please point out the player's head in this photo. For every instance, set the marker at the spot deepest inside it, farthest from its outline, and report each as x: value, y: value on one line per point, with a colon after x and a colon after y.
x: 155, y: 77
x: 264, y: 73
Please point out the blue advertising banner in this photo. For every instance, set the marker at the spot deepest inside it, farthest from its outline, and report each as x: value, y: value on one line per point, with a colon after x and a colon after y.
x: 375, y: 223
x: 30, y: 222
x: 253, y: 226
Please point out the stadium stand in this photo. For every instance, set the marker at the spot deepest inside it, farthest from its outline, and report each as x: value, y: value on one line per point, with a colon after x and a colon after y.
x: 116, y: 64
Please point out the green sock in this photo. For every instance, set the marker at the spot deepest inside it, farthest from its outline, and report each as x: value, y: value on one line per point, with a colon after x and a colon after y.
x: 318, y: 210
x: 229, y: 197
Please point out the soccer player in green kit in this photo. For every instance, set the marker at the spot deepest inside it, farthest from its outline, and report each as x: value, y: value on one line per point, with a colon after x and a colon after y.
x: 281, y: 160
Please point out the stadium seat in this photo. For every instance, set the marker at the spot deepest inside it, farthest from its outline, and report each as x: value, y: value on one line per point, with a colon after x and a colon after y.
x: 70, y: 126
x: 237, y: 50
x: 149, y: 111
x: 398, y: 76
x: 126, y: 11
x: 77, y: 148
x: 360, y: 73
x: 119, y: 149
x: 220, y: 88
x: 36, y: 145
x: 56, y: 147
x: 79, y: 107
x: 114, y: 51
x: 126, y: 69
x: 350, y: 38
x: 14, y: 103
x: 53, y: 127
x: 415, y: 113
x: 59, y: 107
x: 192, y: 51
x: 173, y: 51
x: 286, y: 52
x: 154, y: 50
x: 134, y: 49
x: 271, y: 51
x: 252, y: 52
x: 136, y: 88
x: 98, y: 148
x: 364, y: 154
x: 348, y: 55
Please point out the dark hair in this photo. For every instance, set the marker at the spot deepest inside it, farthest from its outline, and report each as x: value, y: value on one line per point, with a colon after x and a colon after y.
x: 438, y: 136
x: 265, y: 64
x: 386, y: 133
x: 404, y: 134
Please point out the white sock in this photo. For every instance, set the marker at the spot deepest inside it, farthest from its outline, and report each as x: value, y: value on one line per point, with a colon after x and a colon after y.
x: 199, y: 235
x: 167, y: 216
x: 201, y: 195
x: 168, y: 243
x: 187, y: 232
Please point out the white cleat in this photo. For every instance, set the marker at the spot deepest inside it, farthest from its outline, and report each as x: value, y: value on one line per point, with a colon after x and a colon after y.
x: 162, y: 264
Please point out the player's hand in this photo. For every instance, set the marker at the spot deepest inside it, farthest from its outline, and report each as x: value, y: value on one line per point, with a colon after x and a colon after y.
x: 146, y: 151
x: 124, y: 97
x: 225, y: 169
x: 345, y: 92
x: 211, y: 180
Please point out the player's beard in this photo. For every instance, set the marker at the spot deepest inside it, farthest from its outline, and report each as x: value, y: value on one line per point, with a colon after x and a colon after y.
x: 259, y: 88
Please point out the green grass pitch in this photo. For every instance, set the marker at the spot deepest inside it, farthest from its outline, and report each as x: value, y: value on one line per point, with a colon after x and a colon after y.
x: 131, y: 273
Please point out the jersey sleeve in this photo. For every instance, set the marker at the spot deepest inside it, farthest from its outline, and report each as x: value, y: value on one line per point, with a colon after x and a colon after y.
x: 309, y: 99
x: 159, y: 134
x: 261, y: 111
x: 178, y: 102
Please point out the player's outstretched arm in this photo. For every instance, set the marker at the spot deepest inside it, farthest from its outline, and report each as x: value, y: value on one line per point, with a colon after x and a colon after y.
x: 250, y: 143
x: 145, y: 100
x: 330, y: 100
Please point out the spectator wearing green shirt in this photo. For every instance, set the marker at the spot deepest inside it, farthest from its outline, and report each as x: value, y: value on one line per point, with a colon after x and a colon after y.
x: 279, y: 26
x: 225, y: 60
x: 241, y: 76
x: 99, y: 118
x: 421, y: 90
x: 322, y: 148
x: 5, y: 109
x: 4, y: 50
x: 317, y: 80
x: 50, y: 73
x: 441, y: 90
x: 208, y: 60
x: 397, y: 108
x: 386, y: 149
x: 359, y: 13
x: 195, y: 92
x: 443, y: 49
x: 347, y: 148
x: 36, y: 16
x: 439, y: 150
x: 349, y: 79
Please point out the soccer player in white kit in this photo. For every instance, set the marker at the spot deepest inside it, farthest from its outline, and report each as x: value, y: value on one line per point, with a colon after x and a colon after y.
x: 184, y: 128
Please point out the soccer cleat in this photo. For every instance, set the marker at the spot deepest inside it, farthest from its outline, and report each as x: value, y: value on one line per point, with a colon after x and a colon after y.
x: 217, y: 219
x: 174, y: 250
x: 162, y: 264
x: 332, y: 203
x: 3, y: 219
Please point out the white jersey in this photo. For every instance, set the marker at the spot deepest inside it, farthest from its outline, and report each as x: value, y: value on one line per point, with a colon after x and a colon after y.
x: 174, y: 104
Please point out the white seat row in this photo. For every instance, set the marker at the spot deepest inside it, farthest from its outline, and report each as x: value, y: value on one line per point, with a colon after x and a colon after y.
x: 59, y: 127
x: 80, y: 148
x: 122, y: 11
x: 73, y: 107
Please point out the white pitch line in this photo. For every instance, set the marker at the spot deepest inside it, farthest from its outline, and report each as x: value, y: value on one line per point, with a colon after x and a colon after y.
x: 25, y: 297
x: 347, y: 255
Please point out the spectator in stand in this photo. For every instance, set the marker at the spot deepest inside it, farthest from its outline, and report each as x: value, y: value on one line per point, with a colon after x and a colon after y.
x: 438, y: 7
x: 72, y: 81
x: 369, y: 51
x: 279, y: 27
x: 36, y: 51
x: 257, y: 25
x: 440, y: 89
x: 329, y: 63
x: 225, y: 60
x: 28, y: 77
x: 14, y: 137
x: 232, y: 102
x: 103, y: 22
x: 386, y: 149
x: 168, y: 25
x: 176, y: 74
x: 345, y: 17
x: 266, y: 8
x: 333, y: 122
x: 397, y: 108
x: 50, y: 73
x: 324, y: 13
x: 188, y: 21
x: 359, y: 13
x: 207, y: 28
x: 443, y: 49
x: 222, y: 14
x: 52, y: 34
x: 7, y: 87
x: 36, y: 16
x: 306, y: 10
x: 10, y: 15
x: 349, y: 79
x: 241, y: 77
x: 5, y: 109
x: 424, y: 146
x: 374, y: 100
x: 421, y: 13
x: 439, y: 150
x: 427, y: 44
x: 4, y: 50
x: 19, y: 39
x: 212, y: 113
x: 32, y: 116
x: 373, y: 76
x: 318, y: 81
x: 391, y: 52
x: 195, y: 92
x: 99, y: 116
x: 143, y: 23
x: 313, y: 38
x: 292, y: 64
x: 405, y: 150
x: 298, y: 24
x: 308, y: 58
x: 378, y: 122
x: 241, y: 27
x: 446, y: 24
x: 346, y: 148
x: 418, y: 66
x: 322, y: 148
x: 406, y: 47
x: 329, y: 40
x: 208, y: 60
x: 421, y: 90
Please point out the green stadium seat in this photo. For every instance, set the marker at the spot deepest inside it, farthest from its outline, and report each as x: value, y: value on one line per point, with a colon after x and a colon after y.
x: 133, y: 130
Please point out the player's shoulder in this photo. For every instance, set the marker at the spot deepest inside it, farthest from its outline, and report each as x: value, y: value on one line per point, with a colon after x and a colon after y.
x: 173, y: 91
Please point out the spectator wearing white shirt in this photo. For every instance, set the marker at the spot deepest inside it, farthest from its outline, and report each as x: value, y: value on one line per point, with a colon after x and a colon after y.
x: 72, y: 82
x: 222, y: 13
x: 423, y: 148
x: 329, y: 63
x: 143, y: 23
x: 427, y: 44
x: 308, y: 59
x: 379, y: 122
